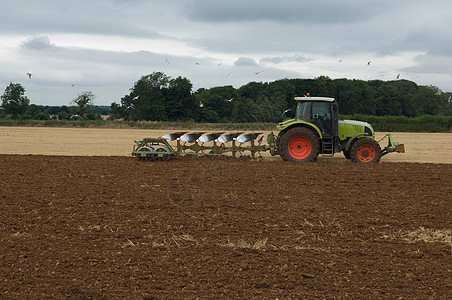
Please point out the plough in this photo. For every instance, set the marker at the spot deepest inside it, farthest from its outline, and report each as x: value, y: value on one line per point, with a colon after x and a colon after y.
x: 201, y: 143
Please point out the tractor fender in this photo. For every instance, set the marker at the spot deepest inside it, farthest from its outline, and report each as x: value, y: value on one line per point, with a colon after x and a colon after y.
x: 285, y: 126
x: 353, y: 138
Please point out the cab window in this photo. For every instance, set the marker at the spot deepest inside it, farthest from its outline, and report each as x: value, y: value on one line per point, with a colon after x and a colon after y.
x: 321, y: 116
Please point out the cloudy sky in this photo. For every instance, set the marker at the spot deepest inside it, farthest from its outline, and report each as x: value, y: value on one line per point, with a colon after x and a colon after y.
x: 105, y: 46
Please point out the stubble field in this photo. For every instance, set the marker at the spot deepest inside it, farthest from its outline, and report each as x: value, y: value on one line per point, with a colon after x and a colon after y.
x: 88, y: 221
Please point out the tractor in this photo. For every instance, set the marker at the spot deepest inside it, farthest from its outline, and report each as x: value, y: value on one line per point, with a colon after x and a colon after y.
x: 316, y: 129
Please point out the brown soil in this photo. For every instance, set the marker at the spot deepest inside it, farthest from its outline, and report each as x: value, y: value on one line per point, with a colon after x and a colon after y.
x: 116, y: 228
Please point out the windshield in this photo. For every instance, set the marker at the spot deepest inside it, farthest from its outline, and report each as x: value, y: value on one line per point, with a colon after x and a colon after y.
x: 303, y: 111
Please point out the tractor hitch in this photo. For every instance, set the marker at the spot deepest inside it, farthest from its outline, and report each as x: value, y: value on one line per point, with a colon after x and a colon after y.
x: 392, y: 146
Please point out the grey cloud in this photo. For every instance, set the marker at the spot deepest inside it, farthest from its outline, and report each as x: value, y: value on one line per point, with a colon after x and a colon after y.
x: 277, y: 31
x: 326, y: 27
x: 431, y: 64
x: 38, y: 43
x: 283, y: 59
x: 83, y: 16
x: 245, y: 62
x: 287, y: 11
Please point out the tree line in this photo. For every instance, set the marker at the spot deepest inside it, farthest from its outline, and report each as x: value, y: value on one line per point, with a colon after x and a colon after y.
x: 158, y: 97
x: 15, y: 105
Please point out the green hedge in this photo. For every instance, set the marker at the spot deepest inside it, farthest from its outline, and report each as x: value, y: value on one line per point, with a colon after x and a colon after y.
x: 382, y: 124
x: 141, y: 125
x: 425, y: 123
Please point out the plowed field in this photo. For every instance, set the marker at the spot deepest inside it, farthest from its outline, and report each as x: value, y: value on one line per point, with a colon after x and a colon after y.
x: 101, y: 227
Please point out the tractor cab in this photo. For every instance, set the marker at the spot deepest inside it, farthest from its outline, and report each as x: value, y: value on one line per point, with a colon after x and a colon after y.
x: 320, y: 111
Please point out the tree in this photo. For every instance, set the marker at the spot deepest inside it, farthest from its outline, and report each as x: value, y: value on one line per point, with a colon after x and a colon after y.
x: 180, y: 103
x: 430, y: 100
x: 407, y: 90
x: 388, y: 101
x: 83, y: 102
x: 13, y: 100
x: 32, y: 111
x: 118, y: 111
x: 218, y: 103
x: 147, y: 97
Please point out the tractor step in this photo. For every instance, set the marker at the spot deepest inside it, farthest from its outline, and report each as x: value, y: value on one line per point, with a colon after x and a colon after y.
x: 327, y: 147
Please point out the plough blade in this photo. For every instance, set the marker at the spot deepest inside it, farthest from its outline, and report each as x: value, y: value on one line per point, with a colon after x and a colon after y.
x: 247, y: 137
x: 191, y: 137
x: 173, y: 136
x: 226, y: 138
x: 205, y: 138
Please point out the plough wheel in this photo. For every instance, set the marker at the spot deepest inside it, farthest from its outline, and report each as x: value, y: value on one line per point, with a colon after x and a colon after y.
x: 299, y: 144
x: 161, y: 157
x: 365, y: 150
x: 148, y: 157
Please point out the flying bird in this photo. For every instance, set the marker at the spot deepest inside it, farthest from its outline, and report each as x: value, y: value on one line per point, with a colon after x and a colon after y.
x: 398, y: 76
x: 197, y: 63
x: 29, y: 75
x: 368, y: 63
x: 73, y: 85
x: 201, y: 105
x: 167, y: 61
x: 258, y: 72
x: 286, y: 111
x: 76, y: 117
x: 220, y: 64
x: 229, y: 100
x: 227, y: 75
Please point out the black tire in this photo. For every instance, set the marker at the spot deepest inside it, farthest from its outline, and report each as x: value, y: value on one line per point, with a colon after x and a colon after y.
x: 148, y: 157
x: 163, y: 157
x: 366, y: 151
x: 346, y: 154
x: 278, y: 142
x: 299, y: 144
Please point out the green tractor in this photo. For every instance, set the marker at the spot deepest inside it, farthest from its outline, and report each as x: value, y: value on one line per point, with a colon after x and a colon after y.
x: 316, y: 129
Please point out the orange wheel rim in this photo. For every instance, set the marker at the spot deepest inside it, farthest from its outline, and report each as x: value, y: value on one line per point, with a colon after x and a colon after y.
x: 366, y: 153
x: 300, y: 147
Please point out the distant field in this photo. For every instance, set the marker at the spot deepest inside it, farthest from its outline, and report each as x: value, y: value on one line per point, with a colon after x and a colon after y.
x: 420, y: 147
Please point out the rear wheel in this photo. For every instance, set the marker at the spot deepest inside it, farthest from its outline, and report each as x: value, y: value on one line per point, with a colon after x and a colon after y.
x: 365, y: 150
x: 163, y: 156
x: 299, y: 144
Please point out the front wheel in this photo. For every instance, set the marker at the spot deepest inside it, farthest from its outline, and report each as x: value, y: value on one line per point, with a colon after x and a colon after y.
x: 365, y: 150
x: 299, y: 144
x: 147, y: 156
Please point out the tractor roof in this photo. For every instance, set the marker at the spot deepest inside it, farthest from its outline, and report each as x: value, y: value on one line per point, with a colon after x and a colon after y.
x: 326, y: 99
